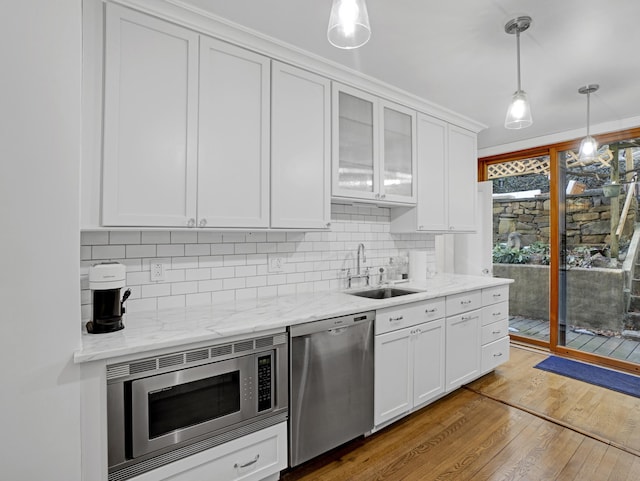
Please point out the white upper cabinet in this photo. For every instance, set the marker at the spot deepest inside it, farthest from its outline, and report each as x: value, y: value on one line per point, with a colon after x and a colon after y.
x: 186, y: 130
x: 150, y: 117
x: 300, y: 148
x: 447, y: 180
x: 233, y: 136
x: 373, y: 148
x: 462, y: 180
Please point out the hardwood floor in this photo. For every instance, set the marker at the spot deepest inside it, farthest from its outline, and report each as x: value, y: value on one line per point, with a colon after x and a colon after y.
x: 518, y: 423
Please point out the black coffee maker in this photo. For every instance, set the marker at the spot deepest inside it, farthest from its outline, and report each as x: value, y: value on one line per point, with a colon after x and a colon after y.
x: 105, y: 281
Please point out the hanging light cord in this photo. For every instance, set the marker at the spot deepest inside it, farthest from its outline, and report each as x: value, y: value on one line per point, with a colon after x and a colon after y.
x: 518, y: 56
x: 588, y: 110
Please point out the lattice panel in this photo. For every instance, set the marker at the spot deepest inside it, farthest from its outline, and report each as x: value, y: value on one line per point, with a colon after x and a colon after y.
x: 519, y: 167
x: 541, y: 165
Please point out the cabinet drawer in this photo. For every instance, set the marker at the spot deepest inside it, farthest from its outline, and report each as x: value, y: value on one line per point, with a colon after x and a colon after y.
x: 398, y: 317
x: 466, y: 301
x: 495, y: 294
x: 495, y: 331
x: 495, y: 312
x: 252, y: 457
x: 494, y: 354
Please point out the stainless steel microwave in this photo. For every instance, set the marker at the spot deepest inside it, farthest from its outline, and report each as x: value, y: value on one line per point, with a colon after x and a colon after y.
x: 167, y: 407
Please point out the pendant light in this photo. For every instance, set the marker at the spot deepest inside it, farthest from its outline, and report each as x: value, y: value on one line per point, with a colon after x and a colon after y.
x: 519, y: 112
x: 588, y: 146
x: 348, y: 24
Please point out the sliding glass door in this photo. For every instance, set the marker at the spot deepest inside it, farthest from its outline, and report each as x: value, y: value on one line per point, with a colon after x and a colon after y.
x: 598, y: 294
x: 565, y: 230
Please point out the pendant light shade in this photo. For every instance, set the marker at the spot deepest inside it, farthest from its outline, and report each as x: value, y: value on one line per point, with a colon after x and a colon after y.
x: 519, y: 111
x: 348, y: 24
x: 588, y: 146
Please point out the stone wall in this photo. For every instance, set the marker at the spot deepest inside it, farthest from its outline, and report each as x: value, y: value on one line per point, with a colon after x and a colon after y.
x: 588, y: 219
x: 604, y: 307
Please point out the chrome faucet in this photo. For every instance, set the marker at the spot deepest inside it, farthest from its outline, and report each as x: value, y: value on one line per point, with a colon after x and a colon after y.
x: 358, y: 274
x: 364, y: 258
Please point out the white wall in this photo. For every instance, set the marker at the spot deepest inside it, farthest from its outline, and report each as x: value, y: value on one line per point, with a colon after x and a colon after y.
x: 40, y: 53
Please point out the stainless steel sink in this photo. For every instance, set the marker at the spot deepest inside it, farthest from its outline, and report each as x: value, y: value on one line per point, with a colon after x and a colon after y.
x: 383, y: 293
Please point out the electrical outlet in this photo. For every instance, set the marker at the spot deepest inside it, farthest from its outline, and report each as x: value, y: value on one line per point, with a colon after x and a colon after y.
x: 157, y: 271
x: 276, y: 264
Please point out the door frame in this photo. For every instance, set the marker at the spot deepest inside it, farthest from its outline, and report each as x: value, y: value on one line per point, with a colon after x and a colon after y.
x: 552, y: 150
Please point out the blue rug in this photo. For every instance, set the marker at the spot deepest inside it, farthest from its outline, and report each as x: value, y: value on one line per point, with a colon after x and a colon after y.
x: 614, y: 380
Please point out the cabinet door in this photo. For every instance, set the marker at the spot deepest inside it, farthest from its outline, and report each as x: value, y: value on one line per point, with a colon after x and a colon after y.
x: 355, y: 139
x: 300, y: 149
x: 150, y: 115
x: 462, y: 180
x: 462, y: 349
x: 428, y: 361
x: 432, y: 175
x: 398, y: 148
x: 393, y: 375
x: 233, y: 139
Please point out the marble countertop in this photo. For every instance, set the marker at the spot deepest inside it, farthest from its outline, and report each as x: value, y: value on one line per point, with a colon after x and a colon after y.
x: 152, y: 330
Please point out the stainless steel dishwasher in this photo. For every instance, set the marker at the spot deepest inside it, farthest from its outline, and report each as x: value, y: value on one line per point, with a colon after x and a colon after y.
x: 331, y: 384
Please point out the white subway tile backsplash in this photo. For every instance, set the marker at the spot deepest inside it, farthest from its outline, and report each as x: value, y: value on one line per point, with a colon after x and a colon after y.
x: 190, y: 287
x: 203, y: 267
x: 171, y: 302
x: 201, y: 299
x: 222, y: 272
x: 124, y: 237
x: 223, y: 249
x: 143, y: 250
x: 170, y: 250
x: 184, y: 237
x: 103, y: 252
x: 197, y: 274
x: 91, y: 238
x: 197, y: 249
x: 156, y: 237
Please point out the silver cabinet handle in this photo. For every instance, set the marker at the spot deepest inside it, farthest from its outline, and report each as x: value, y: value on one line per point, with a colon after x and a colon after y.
x: 497, y: 355
x: 202, y: 223
x: 377, y: 196
x: 383, y: 196
x: 328, y: 224
x: 495, y: 332
x: 396, y: 319
x: 191, y: 222
x: 497, y: 295
x: 465, y: 302
x: 468, y: 318
x: 428, y: 311
x: 248, y: 463
x: 420, y: 227
x: 497, y: 313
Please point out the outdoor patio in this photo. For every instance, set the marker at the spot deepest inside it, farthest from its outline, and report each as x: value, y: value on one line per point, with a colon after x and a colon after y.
x: 581, y: 339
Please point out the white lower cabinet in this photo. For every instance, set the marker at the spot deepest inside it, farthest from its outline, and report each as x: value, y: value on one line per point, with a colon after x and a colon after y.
x: 495, y: 328
x: 409, y: 359
x: 462, y: 349
x: 255, y: 457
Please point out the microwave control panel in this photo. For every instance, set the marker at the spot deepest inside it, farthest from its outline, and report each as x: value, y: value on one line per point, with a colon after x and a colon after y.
x: 265, y: 383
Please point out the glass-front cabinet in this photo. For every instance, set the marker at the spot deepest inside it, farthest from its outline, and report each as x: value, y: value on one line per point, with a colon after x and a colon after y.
x: 373, y: 149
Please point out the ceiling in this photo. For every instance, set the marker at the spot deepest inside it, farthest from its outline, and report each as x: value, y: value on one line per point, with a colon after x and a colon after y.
x: 456, y: 54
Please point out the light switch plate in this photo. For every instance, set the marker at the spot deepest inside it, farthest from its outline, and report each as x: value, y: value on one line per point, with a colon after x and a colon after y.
x: 276, y: 263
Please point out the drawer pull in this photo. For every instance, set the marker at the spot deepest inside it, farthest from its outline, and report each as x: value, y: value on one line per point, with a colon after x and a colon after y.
x: 464, y: 303
x: 497, y: 355
x: 396, y: 319
x: 429, y: 311
x: 495, y: 332
x: 468, y: 318
x: 249, y: 463
x: 497, y: 295
x: 497, y: 313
